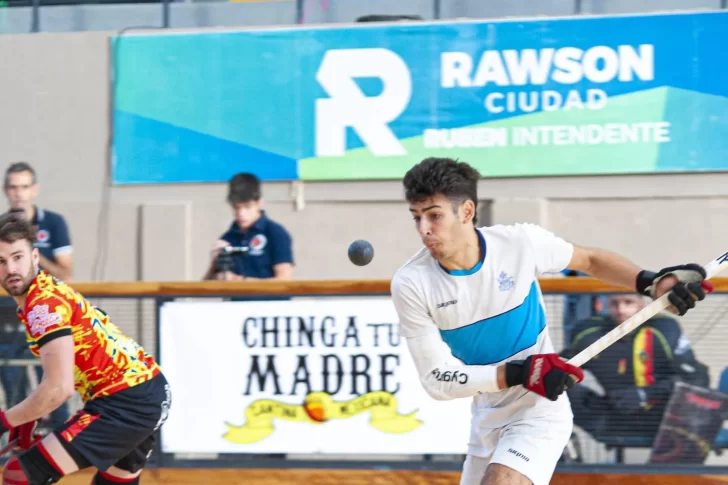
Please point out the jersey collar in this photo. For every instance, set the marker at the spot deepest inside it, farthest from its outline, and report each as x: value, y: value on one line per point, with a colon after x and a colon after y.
x: 474, y: 269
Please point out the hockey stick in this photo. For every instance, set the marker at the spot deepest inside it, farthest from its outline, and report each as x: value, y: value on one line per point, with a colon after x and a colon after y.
x: 711, y: 269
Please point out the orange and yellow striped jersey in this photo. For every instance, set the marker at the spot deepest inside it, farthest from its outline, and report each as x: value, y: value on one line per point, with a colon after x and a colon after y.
x: 106, y: 360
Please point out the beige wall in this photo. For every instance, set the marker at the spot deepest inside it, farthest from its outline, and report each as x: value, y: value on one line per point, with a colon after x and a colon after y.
x: 55, y: 114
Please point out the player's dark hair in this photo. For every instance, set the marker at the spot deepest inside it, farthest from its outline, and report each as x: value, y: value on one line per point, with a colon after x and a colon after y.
x: 14, y: 226
x: 19, y: 167
x: 457, y: 181
x: 243, y: 187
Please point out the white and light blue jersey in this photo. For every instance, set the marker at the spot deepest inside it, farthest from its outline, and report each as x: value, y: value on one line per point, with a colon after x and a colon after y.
x: 460, y: 325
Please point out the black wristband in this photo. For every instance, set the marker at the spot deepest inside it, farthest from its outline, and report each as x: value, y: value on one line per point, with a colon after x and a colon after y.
x: 514, y: 373
x: 644, y: 280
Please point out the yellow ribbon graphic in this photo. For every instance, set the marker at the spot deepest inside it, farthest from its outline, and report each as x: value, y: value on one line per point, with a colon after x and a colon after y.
x: 319, y: 407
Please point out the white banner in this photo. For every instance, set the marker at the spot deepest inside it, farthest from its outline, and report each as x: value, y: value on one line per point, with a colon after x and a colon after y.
x: 308, y: 376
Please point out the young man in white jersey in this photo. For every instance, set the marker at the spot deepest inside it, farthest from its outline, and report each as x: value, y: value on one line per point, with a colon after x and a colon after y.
x: 472, y: 313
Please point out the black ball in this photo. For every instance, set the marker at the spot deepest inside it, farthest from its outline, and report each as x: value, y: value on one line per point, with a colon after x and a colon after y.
x: 361, y: 252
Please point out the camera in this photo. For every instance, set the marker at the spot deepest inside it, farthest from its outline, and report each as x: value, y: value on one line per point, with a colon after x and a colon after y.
x: 225, y: 260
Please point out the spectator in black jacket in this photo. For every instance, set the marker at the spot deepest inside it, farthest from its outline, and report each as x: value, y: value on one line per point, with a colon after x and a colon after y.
x: 637, y: 372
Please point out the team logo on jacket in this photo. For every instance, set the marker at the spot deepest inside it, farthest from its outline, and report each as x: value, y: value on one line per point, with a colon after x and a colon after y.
x: 257, y: 244
x: 505, y: 282
x: 42, y: 239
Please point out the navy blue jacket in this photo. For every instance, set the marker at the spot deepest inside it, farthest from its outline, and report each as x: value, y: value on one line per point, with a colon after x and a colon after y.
x: 269, y: 244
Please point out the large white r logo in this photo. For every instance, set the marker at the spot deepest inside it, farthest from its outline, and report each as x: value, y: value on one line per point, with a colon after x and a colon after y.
x: 349, y: 107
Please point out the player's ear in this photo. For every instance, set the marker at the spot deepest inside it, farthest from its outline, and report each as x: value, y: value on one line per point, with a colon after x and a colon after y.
x: 467, y: 210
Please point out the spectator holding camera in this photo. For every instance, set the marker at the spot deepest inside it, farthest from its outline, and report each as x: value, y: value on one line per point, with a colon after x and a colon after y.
x: 254, y: 247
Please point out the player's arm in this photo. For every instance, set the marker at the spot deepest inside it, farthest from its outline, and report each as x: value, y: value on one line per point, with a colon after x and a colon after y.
x: 57, y: 384
x: 605, y: 265
x: 49, y: 324
x: 684, y: 282
x: 445, y: 378
x: 554, y: 254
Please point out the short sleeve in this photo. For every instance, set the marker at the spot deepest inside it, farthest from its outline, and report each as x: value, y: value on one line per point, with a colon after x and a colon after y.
x: 552, y: 254
x: 61, y: 237
x: 414, y: 319
x: 281, y: 247
x: 48, y: 318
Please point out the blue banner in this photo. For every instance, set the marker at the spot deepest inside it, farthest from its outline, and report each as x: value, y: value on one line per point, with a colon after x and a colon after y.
x: 601, y: 95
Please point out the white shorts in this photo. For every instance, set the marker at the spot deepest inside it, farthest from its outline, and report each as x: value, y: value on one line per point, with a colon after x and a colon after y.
x: 531, y: 447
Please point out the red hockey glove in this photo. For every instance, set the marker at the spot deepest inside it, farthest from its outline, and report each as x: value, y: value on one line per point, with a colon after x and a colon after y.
x: 25, y: 434
x: 545, y: 374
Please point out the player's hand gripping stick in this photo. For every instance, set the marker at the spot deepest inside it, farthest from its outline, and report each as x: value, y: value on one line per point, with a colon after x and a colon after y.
x: 25, y: 435
x: 691, y: 286
x: 545, y: 374
x: 665, y: 302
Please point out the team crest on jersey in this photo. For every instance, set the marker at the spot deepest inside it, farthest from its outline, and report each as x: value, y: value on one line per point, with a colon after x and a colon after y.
x: 505, y: 282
